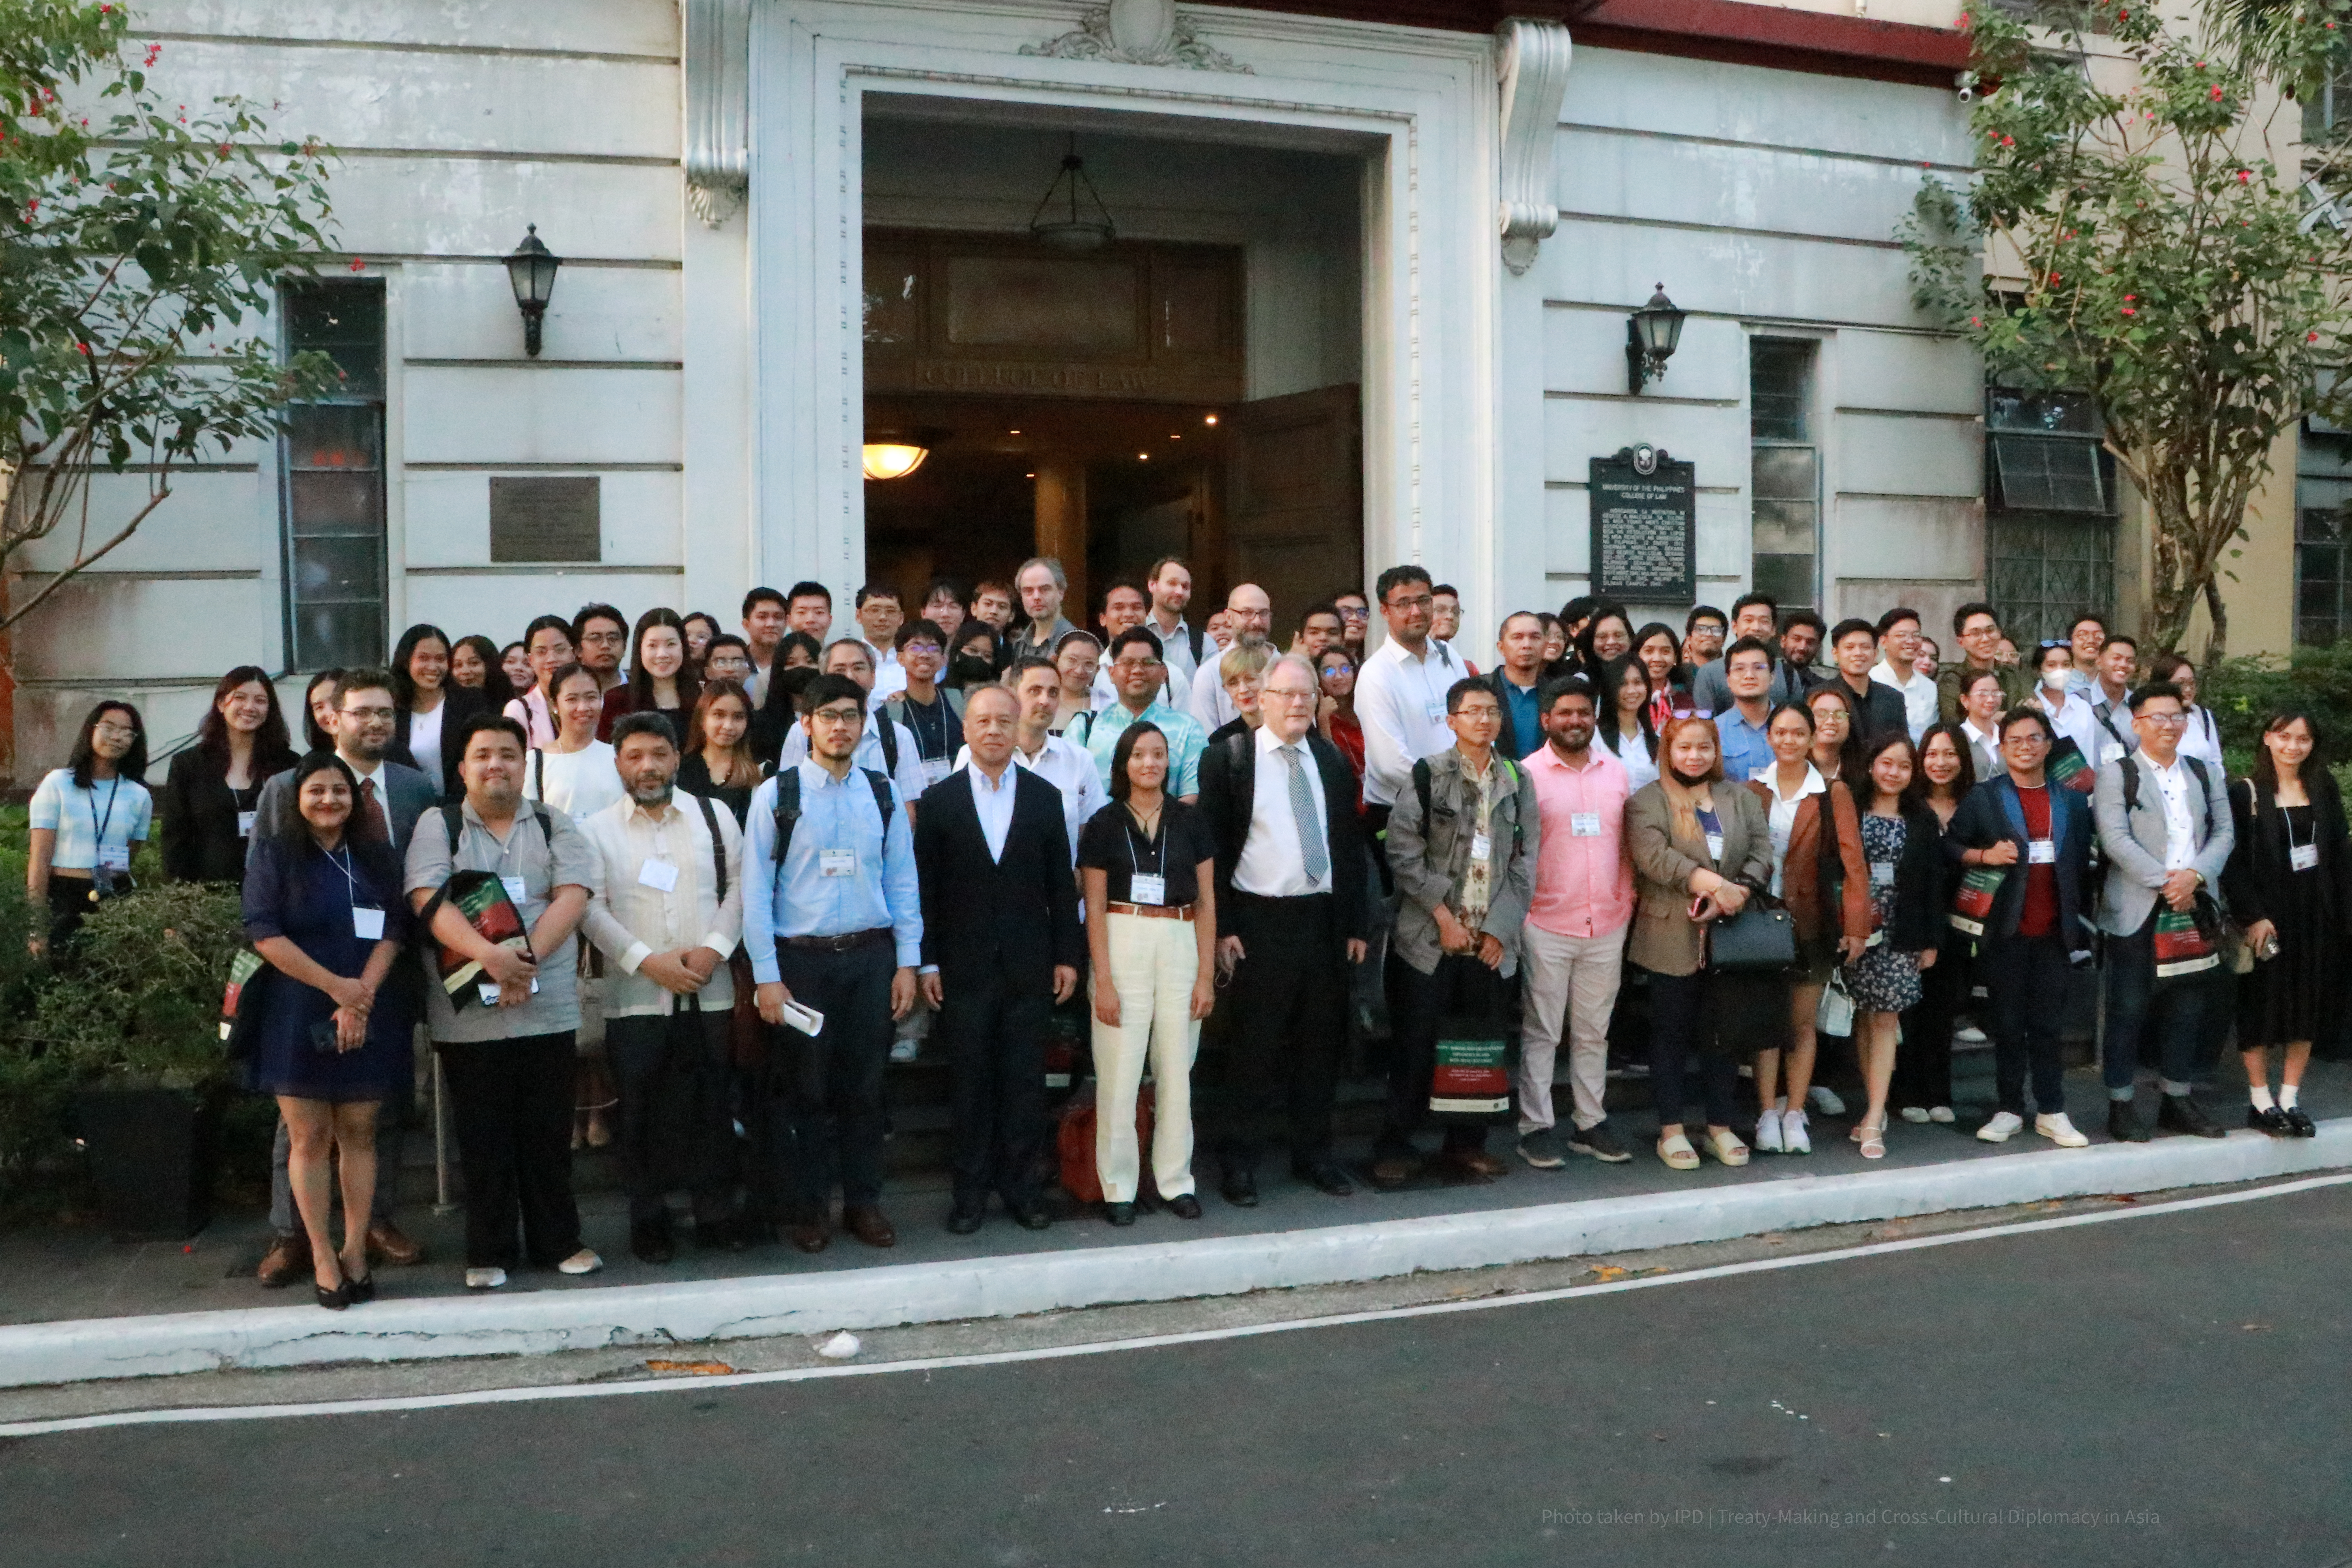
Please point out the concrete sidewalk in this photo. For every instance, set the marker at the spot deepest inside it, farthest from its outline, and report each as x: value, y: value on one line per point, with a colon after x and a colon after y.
x: 1080, y: 1263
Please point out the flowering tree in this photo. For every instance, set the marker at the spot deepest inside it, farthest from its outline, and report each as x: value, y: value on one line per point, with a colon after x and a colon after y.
x: 141, y: 247
x: 2147, y: 250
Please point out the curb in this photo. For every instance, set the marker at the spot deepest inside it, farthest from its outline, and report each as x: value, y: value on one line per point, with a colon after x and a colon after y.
x: 889, y: 1295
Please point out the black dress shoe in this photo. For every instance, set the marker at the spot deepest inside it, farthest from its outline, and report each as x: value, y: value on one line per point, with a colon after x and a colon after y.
x: 336, y: 1300
x: 1325, y: 1174
x: 2181, y: 1113
x: 964, y: 1218
x: 2269, y: 1118
x: 1119, y: 1214
x: 359, y: 1292
x: 2122, y: 1126
x: 1240, y: 1188
x: 2299, y: 1123
x: 1033, y: 1217
x: 1185, y: 1205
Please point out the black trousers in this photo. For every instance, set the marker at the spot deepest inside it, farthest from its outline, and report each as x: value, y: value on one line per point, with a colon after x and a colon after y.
x: 1688, y: 1019
x: 995, y: 1031
x: 1288, y: 999
x: 1923, y: 1067
x: 1460, y: 987
x: 511, y: 1102
x: 2026, y: 978
x: 820, y: 1100
x: 670, y: 1071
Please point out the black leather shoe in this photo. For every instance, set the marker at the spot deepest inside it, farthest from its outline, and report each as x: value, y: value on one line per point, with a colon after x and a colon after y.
x: 1033, y: 1217
x: 336, y: 1300
x: 1119, y: 1214
x: 2181, y: 1113
x: 963, y: 1219
x: 2269, y: 1118
x: 1240, y: 1187
x: 1325, y: 1174
x: 1185, y: 1205
x: 2122, y: 1126
x: 2299, y: 1123
x: 361, y: 1291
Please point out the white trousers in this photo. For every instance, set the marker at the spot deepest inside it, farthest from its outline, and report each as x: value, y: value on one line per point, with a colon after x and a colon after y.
x: 1153, y: 962
x: 1572, y: 980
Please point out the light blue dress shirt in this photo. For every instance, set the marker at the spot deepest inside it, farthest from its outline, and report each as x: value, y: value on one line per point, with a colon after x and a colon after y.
x: 1745, y: 749
x: 800, y: 899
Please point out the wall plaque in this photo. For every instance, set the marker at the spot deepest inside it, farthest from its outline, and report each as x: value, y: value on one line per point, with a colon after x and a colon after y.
x: 1645, y: 527
x: 545, y: 519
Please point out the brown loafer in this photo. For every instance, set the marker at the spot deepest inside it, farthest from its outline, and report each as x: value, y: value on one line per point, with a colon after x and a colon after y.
x: 287, y: 1257
x: 867, y: 1224
x: 1473, y: 1163
x: 810, y: 1237
x: 387, y: 1244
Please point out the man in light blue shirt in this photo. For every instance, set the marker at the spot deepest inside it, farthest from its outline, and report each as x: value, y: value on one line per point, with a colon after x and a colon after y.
x: 1136, y: 670
x: 834, y: 926
x: 1747, y: 675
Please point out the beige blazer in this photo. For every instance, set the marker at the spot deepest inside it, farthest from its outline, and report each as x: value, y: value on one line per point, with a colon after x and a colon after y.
x: 1665, y: 941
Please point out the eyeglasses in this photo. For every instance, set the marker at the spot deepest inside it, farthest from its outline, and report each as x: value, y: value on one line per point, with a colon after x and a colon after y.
x: 1289, y: 693
x: 838, y: 716
x: 1363, y: 615
x: 603, y: 639
x: 1135, y: 666
x: 368, y: 712
x: 1342, y: 667
x: 1418, y: 601
x: 114, y: 731
x: 2165, y: 720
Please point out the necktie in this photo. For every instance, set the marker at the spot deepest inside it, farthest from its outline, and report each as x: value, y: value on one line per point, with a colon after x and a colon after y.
x: 378, y: 830
x: 1311, y: 849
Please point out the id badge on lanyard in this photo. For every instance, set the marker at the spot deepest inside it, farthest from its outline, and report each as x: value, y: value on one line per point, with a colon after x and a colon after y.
x: 1148, y: 889
x: 2042, y: 852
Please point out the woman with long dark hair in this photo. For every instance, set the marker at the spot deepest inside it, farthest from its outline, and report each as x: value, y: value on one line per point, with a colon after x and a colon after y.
x: 2285, y: 882
x: 1148, y: 865
x: 1837, y: 740
x: 1608, y: 634
x: 719, y: 761
x: 319, y: 711
x: 1623, y: 726
x: 1902, y: 843
x: 700, y: 626
x: 972, y: 660
x: 661, y: 677
x: 474, y: 666
x: 547, y: 643
x: 1922, y: 1089
x: 324, y: 909
x: 87, y: 819
x: 210, y: 794
x: 428, y: 706
x: 1660, y: 652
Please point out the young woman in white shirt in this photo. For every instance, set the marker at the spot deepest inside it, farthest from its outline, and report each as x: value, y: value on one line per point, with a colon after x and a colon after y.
x: 2069, y: 709
x: 87, y: 819
x: 1626, y: 729
x: 1981, y: 700
x: 575, y: 774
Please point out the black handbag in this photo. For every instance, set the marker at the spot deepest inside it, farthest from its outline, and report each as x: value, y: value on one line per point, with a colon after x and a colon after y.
x: 1761, y: 939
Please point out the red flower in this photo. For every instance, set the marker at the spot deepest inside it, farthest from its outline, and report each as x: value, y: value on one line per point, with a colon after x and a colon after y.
x: 2311, y: 337
x: 2129, y: 312
x: 2216, y: 95
x: 357, y: 265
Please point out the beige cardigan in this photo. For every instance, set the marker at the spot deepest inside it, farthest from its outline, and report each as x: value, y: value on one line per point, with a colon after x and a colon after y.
x: 1665, y: 940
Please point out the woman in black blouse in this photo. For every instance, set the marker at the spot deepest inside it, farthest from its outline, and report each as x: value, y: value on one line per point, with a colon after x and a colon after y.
x: 1148, y: 865
x: 474, y: 665
x: 718, y: 764
x: 209, y: 798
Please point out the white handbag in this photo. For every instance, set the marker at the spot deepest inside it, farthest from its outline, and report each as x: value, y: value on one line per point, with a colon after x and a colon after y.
x: 1835, y: 1014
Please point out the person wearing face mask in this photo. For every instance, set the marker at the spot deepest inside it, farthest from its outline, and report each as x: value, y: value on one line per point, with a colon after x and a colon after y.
x: 975, y: 660
x: 2070, y: 713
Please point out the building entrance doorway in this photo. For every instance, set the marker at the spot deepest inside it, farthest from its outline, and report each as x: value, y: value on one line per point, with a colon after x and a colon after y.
x: 1187, y: 387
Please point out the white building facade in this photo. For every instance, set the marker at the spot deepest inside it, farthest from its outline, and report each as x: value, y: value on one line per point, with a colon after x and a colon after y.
x: 1452, y: 224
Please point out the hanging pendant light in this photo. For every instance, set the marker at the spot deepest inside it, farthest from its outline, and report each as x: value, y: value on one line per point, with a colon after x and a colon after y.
x: 1062, y: 220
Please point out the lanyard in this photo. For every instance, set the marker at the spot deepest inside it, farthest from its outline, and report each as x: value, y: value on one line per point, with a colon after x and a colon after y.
x: 98, y: 824
x: 1156, y: 845
x: 343, y: 864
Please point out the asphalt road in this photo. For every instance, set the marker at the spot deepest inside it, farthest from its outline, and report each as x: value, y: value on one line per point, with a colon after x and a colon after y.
x: 2153, y: 1390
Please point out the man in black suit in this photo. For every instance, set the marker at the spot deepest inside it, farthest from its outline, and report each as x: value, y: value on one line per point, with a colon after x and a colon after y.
x: 1291, y: 917
x: 1877, y: 707
x: 1000, y: 947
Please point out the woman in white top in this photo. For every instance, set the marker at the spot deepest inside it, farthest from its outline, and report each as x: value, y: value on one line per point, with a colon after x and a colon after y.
x: 2069, y: 709
x: 1980, y: 704
x: 1626, y: 729
x: 87, y: 819
x: 576, y: 775
x: 2201, y: 738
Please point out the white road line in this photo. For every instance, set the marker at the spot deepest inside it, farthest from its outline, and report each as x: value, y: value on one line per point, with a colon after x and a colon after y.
x: 1150, y: 1341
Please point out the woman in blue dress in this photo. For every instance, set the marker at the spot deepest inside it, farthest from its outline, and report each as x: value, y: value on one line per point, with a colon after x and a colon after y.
x: 324, y: 909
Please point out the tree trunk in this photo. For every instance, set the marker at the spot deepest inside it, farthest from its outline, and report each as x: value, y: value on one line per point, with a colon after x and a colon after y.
x: 2216, y: 646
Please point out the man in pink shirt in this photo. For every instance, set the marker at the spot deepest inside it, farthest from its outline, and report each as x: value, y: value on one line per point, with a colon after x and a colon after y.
x: 1573, y: 946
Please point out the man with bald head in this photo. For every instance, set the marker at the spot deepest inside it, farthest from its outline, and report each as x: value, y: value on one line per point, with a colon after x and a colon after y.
x: 1251, y: 615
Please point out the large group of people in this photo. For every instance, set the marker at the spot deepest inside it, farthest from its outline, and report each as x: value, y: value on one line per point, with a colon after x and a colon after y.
x: 687, y: 892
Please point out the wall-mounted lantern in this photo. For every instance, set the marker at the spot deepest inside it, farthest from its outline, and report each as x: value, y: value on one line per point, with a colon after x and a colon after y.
x: 531, y: 269
x: 1651, y: 334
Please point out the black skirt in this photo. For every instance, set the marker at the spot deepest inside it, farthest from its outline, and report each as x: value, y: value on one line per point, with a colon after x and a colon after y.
x: 2299, y: 995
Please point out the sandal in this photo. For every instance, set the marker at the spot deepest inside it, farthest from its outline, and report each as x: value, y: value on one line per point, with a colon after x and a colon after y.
x: 1726, y: 1147
x: 1677, y: 1152
x: 1873, y: 1140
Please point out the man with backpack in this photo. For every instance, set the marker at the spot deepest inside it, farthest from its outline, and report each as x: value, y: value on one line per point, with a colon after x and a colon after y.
x: 834, y: 925
x: 2166, y: 832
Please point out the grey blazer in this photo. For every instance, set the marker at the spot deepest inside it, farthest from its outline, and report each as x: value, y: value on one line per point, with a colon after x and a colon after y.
x: 408, y: 795
x: 2135, y: 842
x: 1430, y: 860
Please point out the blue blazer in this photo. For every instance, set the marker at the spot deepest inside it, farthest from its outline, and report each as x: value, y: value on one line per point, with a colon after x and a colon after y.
x: 1992, y: 813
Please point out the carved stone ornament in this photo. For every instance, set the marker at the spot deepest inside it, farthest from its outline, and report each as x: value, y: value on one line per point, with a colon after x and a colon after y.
x: 1531, y: 62
x: 717, y: 107
x: 1137, y: 33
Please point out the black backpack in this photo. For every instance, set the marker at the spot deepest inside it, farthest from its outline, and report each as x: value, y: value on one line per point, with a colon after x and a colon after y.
x: 788, y: 808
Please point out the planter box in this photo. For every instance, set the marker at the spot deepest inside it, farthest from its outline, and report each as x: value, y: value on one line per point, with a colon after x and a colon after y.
x: 150, y: 1155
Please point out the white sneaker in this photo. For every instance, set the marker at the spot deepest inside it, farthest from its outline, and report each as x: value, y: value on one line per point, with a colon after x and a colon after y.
x: 2004, y: 1126
x: 1915, y: 1115
x: 485, y: 1279
x: 580, y: 1262
x: 905, y: 1050
x: 1942, y: 1113
x: 1767, y: 1134
x: 1823, y: 1101
x: 2061, y: 1131
x: 1970, y: 1035
x: 1794, y: 1139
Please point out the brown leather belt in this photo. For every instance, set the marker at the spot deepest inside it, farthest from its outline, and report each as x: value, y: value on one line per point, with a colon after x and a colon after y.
x: 1151, y: 912
x: 848, y: 943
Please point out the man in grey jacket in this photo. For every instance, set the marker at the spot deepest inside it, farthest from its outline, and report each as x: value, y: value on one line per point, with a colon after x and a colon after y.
x: 2164, y: 830
x: 1462, y: 846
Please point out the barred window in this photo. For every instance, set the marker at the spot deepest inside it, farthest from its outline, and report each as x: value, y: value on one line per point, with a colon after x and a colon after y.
x: 332, y: 484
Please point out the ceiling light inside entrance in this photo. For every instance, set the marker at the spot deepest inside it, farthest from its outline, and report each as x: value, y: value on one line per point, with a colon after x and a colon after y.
x: 1072, y: 216
x: 892, y: 460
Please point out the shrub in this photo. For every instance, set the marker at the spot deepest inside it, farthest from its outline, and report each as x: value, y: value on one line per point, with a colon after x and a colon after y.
x: 2244, y: 692
x: 137, y: 999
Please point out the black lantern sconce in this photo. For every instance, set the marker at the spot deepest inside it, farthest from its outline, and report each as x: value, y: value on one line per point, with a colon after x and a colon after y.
x: 1651, y: 334
x: 532, y: 271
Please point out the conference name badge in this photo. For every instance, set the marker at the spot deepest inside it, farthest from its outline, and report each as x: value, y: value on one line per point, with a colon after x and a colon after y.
x: 836, y: 862
x: 1147, y: 890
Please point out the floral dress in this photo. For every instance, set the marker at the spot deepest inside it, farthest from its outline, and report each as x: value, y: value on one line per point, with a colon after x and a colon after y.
x: 1885, y: 979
